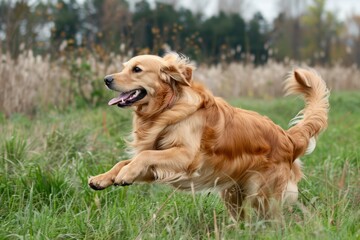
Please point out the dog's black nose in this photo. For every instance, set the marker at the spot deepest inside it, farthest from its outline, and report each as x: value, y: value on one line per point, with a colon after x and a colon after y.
x: 108, y: 80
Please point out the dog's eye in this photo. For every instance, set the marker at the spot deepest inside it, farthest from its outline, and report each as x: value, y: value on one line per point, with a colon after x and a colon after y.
x: 136, y: 69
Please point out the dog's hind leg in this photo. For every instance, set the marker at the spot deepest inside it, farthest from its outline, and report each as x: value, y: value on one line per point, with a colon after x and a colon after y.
x: 233, y: 198
x: 265, y: 191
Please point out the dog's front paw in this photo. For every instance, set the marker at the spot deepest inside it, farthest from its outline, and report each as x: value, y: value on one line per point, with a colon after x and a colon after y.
x: 100, y: 182
x: 127, y: 176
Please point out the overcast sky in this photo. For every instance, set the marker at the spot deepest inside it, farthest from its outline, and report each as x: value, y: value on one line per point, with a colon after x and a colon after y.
x: 344, y: 8
x: 269, y: 8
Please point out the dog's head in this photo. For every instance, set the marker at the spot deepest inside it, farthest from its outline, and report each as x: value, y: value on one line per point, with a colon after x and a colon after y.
x: 149, y: 80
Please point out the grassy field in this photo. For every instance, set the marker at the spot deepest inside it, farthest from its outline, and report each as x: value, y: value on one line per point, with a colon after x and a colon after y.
x: 45, y: 162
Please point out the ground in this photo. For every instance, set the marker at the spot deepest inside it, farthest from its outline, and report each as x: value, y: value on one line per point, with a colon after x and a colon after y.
x: 47, y: 159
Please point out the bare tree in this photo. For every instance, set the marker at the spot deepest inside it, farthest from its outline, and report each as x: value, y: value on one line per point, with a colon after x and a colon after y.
x: 353, y: 39
x: 288, y: 23
x: 292, y: 8
x: 231, y: 6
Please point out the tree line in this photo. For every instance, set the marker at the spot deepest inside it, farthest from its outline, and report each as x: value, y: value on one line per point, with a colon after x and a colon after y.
x: 313, y: 35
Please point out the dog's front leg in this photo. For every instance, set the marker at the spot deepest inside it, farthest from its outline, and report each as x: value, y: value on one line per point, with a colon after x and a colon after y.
x: 143, y: 166
x: 104, y: 180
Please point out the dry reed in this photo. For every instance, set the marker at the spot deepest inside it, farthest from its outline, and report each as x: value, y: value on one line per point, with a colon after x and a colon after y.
x: 33, y: 82
x: 266, y: 81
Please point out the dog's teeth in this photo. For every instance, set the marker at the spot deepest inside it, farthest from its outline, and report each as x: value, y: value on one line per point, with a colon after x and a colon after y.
x: 136, y: 93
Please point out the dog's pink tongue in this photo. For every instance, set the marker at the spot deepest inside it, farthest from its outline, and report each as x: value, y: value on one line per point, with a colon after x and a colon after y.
x: 120, y: 99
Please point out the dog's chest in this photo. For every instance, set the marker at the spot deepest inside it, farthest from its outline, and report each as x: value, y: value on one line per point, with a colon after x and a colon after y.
x: 186, y: 133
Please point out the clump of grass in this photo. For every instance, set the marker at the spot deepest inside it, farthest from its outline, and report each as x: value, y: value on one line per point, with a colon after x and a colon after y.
x: 13, y: 154
x: 62, y: 145
x: 15, y: 149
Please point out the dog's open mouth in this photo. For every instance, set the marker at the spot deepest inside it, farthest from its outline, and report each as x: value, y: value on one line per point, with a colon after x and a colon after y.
x: 126, y: 99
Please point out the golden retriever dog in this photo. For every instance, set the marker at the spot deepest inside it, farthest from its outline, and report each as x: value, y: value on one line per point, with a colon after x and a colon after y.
x: 185, y: 137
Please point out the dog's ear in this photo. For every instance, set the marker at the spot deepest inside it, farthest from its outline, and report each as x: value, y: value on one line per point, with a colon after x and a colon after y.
x: 172, y: 73
x: 177, y: 69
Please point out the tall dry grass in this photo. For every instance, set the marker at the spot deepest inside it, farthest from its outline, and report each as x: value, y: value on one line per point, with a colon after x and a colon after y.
x: 28, y: 82
x: 266, y: 81
x: 33, y: 82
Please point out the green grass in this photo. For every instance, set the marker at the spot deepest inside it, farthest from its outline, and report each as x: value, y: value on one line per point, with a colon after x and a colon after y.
x: 45, y: 163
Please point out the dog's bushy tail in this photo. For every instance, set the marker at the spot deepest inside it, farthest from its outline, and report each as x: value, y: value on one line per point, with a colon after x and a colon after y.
x: 312, y: 120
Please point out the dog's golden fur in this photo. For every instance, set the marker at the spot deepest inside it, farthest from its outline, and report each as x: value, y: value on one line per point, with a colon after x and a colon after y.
x: 186, y: 137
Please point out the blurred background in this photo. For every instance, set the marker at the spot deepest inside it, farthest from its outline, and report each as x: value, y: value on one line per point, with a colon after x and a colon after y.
x: 54, y: 53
